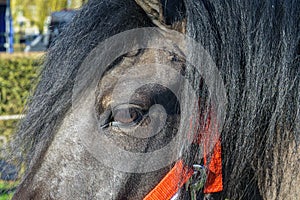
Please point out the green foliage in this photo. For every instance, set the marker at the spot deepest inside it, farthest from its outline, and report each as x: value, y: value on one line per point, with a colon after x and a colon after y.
x: 7, y: 189
x: 6, y: 196
x: 37, y: 10
x: 17, y: 76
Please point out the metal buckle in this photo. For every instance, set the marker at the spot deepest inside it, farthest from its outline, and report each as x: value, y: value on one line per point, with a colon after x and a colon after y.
x: 175, y: 197
x: 197, y: 181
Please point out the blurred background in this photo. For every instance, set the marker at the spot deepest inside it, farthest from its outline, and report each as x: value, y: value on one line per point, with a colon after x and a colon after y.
x: 27, y: 29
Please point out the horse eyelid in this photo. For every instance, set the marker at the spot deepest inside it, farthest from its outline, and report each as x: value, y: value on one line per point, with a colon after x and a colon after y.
x: 136, y: 122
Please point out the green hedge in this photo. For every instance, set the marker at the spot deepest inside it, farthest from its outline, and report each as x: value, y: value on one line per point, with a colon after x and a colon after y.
x: 17, y: 75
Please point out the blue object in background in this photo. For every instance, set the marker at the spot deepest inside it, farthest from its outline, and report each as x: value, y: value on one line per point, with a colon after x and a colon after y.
x: 6, y: 28
x: 2, y: 27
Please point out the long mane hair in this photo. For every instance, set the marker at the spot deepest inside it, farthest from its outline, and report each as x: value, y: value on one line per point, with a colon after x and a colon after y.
x: 256, y: 47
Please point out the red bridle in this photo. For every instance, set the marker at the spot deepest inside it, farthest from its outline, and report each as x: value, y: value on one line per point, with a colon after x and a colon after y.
x: 181, y: 174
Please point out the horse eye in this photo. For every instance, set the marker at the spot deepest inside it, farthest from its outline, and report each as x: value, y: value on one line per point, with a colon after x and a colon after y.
x: 125, y: 116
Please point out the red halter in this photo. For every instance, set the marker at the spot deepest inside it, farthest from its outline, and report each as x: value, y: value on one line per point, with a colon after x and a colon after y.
x: 180, y: 174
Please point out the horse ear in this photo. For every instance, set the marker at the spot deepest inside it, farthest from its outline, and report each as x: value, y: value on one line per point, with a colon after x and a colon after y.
x: 166, y: 14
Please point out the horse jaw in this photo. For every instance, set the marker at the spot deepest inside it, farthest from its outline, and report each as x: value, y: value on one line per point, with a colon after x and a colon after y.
x: 69, y: 171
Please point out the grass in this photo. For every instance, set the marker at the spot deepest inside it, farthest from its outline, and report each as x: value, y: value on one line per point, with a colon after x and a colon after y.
x: 7, y: 189
x: 6, y: 196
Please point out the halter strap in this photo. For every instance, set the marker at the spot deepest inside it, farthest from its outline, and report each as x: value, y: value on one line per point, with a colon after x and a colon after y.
x: 214, y: 182
x: 180, y: 174
x: 171, y: 183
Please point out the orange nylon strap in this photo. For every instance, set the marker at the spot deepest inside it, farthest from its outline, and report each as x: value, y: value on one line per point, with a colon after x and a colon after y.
x: 179, y: 175
x: 214, y: 182
x: 171, y: 183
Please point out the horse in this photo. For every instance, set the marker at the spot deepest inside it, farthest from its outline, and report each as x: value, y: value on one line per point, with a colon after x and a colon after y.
x: 133, y: 91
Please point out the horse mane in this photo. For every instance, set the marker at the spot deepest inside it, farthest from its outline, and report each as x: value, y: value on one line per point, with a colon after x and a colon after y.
x: 255, y: 45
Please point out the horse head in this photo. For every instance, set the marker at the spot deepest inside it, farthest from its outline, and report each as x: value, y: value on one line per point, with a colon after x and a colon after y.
x: 197, y: 97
